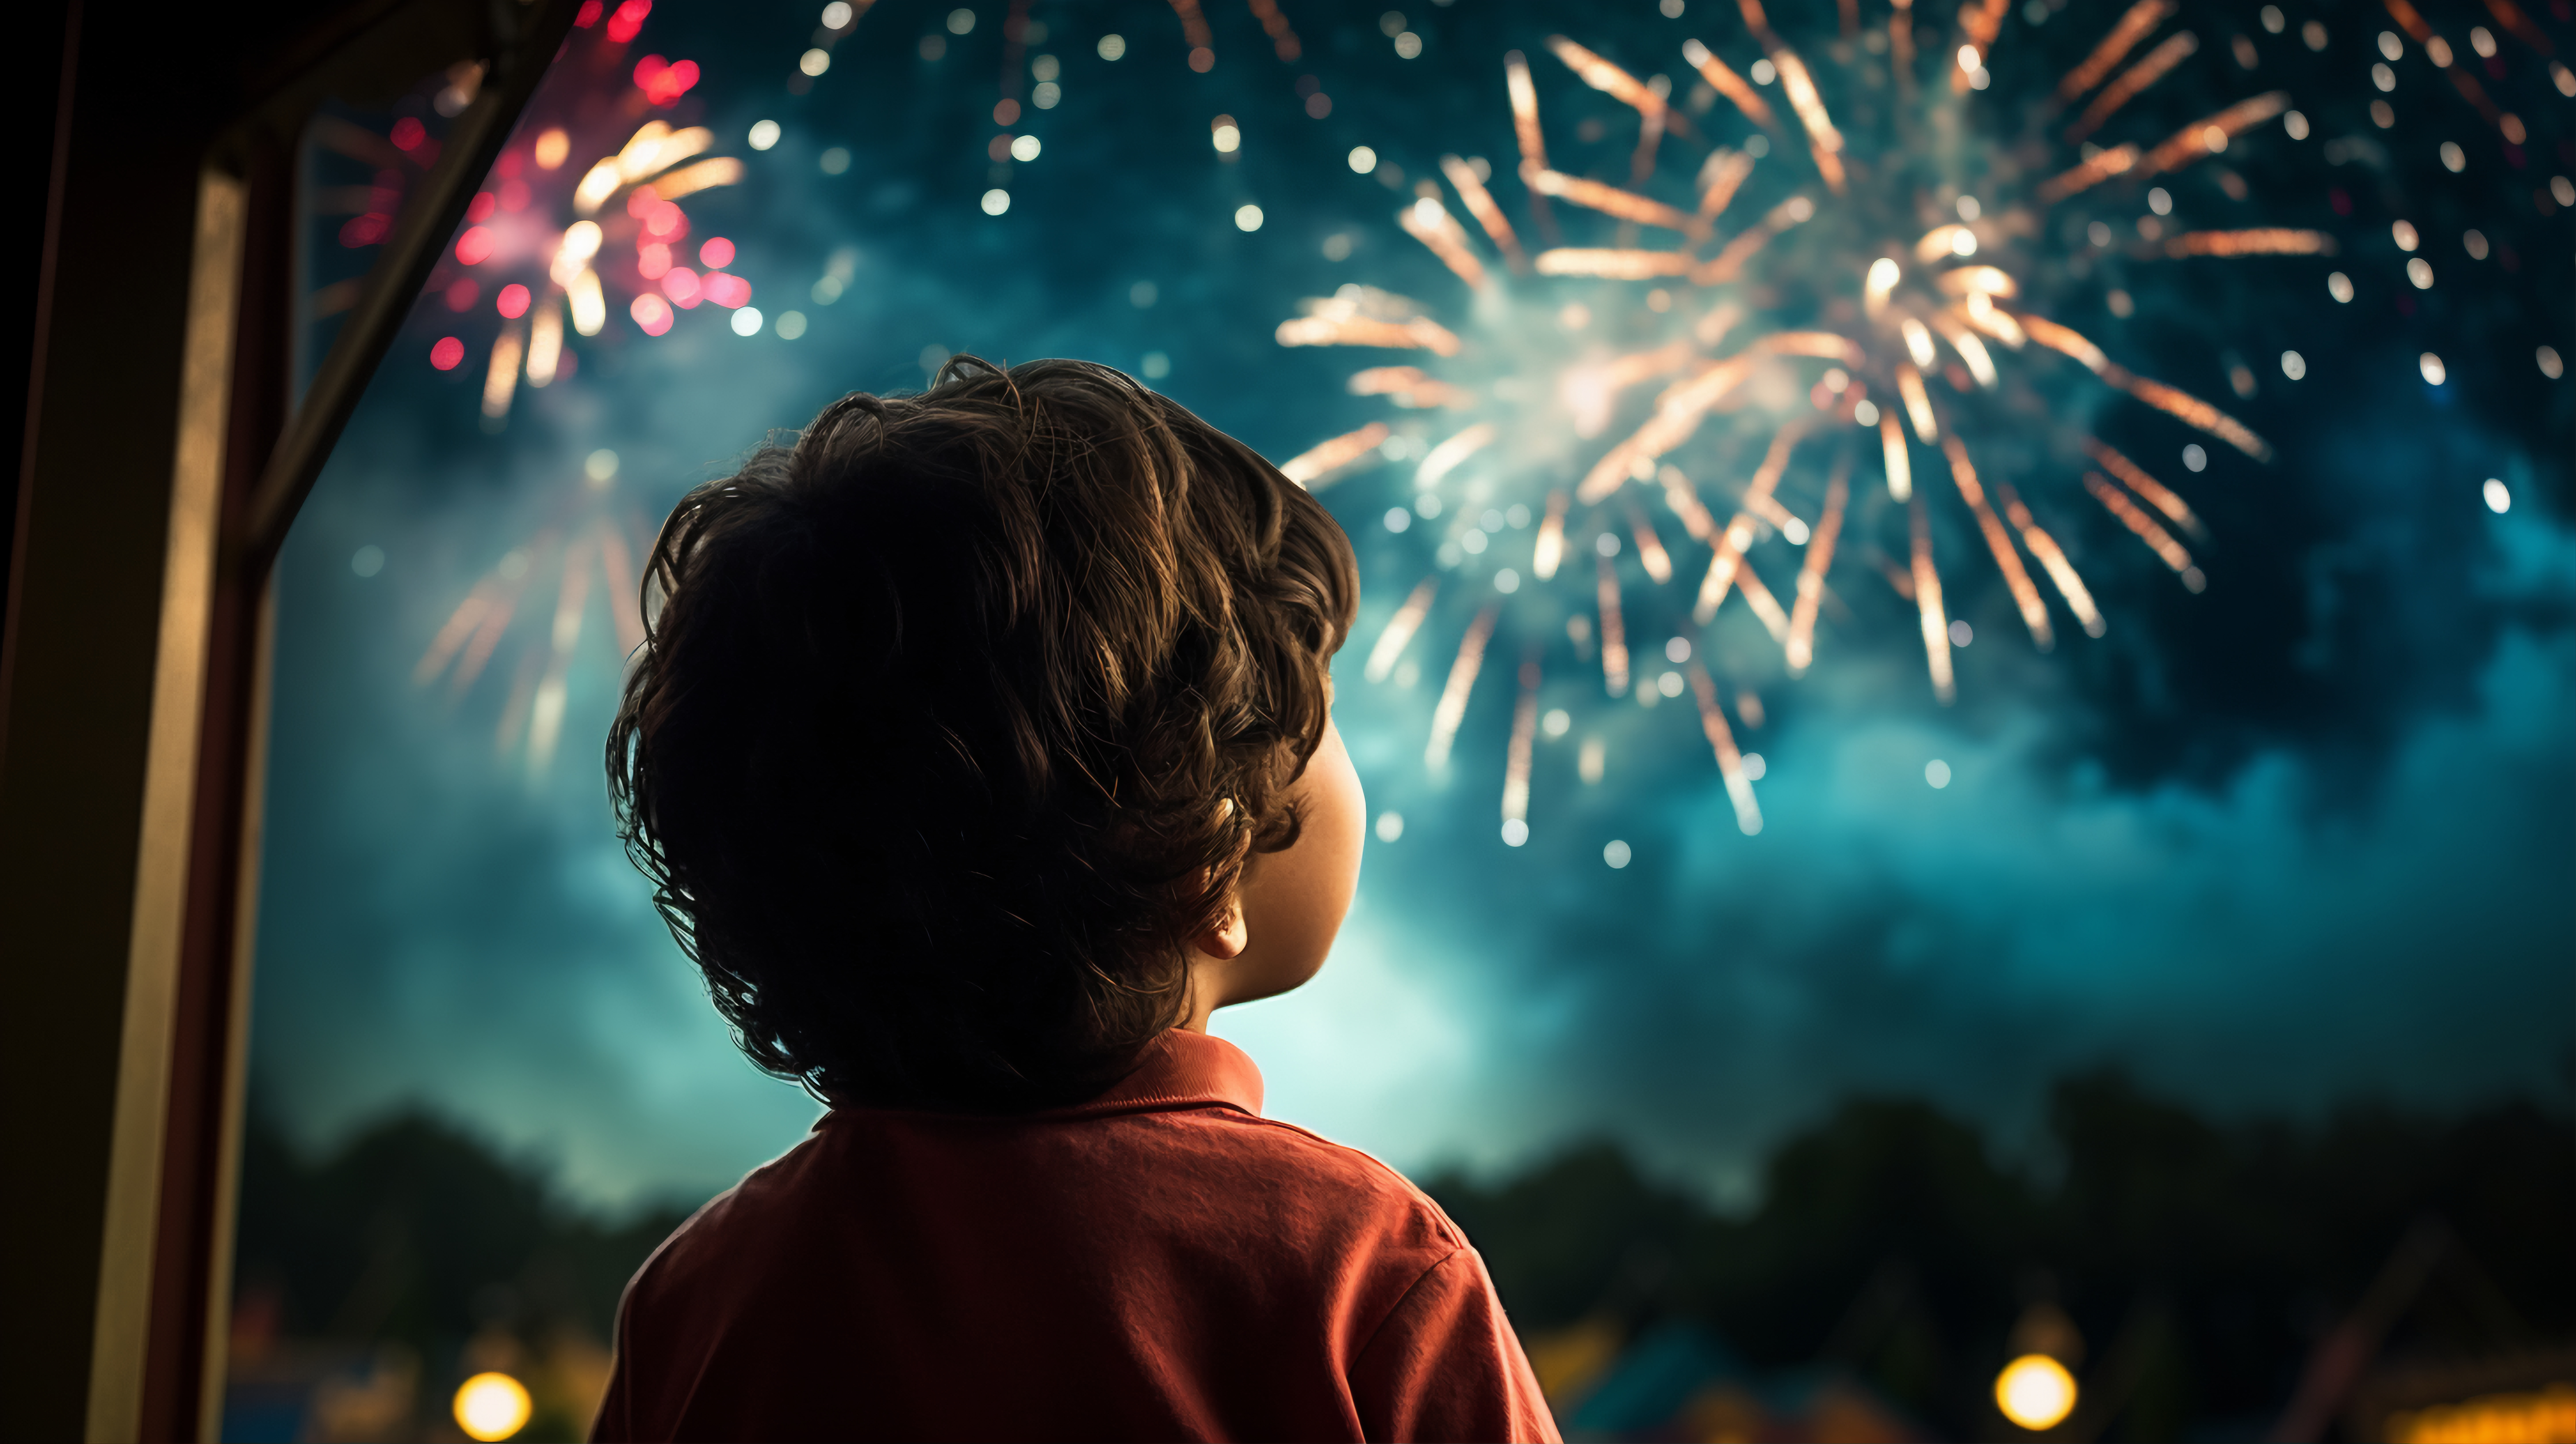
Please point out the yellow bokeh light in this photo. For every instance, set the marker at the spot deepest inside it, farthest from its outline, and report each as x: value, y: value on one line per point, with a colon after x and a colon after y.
x: 492, y: 1406
x: 2035, y: 1392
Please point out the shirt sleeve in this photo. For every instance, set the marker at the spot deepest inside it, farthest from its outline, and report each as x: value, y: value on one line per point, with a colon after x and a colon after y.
x: 1446, y: 1365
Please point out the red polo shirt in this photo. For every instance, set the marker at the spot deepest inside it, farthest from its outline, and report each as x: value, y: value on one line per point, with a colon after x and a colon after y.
x: 1159, y: 1263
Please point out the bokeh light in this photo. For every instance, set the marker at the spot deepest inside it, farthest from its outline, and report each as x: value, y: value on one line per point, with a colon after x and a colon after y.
x: 492, y: 1406
x: 2035, y: 1392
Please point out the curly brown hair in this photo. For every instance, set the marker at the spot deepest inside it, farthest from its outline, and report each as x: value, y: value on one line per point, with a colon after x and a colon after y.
x: 958, y: 718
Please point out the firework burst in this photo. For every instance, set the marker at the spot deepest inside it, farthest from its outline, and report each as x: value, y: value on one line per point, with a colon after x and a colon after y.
x: 1698, y: 393
x: 581, y: 220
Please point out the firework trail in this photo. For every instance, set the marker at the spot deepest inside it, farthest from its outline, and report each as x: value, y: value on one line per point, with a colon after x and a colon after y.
x: 1855, y: 279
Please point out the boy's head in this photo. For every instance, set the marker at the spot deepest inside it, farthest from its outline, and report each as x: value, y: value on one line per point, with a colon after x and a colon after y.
x: 963, y: 719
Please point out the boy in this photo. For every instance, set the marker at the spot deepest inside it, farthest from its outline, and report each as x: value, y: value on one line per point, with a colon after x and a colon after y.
x: 981, y: 749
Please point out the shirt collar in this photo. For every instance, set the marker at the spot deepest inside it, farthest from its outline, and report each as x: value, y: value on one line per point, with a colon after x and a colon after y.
x: 1180, y: 1069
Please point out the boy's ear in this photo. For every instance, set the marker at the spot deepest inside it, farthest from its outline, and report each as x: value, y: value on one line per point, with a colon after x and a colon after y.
x: 1226, y: 940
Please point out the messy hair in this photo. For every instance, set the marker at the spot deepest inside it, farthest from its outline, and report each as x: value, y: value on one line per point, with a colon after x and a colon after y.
x: 960, y: 716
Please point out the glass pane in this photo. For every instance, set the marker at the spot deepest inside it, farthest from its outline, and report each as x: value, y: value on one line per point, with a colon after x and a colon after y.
x: 1946, y: 673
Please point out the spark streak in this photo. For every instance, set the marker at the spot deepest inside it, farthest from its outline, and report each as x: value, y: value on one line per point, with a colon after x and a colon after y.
x: 1480, y: 204
x: 1453, y: 697
x: 1550, y: 548
x: 1317, y: 464
x: 1729, y: 84
x: 1616, y: 265
x: 1900, y: 467
x: 1419, y: 333
x: 2052, y: 558
x: 1721, y: 740
x: 1801, y: 647
x: 1516, y: 765
x: 2258, y: 241
x: 1445, y: 457
x: 1610, y: 200
x: 2034, y: 612
x: 2156, y: 493
x: 1650, y: 547
x: 1400, y: 629
x: 2158, y: 540
x: 1927, y: 600
x: 2174, y: 51
x: 1614, y: 632
x: 2140, y: 22
x: 1616, y: 83
x: 1428, y: 221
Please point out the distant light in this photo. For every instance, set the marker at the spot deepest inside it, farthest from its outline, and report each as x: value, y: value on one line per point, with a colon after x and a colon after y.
x: 1677, y: 651
x: 1515, y: 832
x: 2499, y: 499
x: 513, y: 301
x: 1764, y: 72
x: 833, y: 161
x: 2339, y: 286
x: 368, y: 560
x: 2475, y: 243
x: 492, y: 1406
x: 2273, y: 20
x: 1754, y: 767
x: 1795, y: 531
x: 409, y: 133
x: 1046, y: 94
x: 1937, y: 772
x: 1555, y: 723
x: 814, y: 61
x: 1044, y: 67
x: 1398, y: 519
x: 460, y: 294
x: 1607, y: 544
x: 1963, y: 242
x: 2403, y: 233
x: 1112, y: 46
x: 2431, y: 366
x: 2296, y: 125
x: 2391, y: 46
x: 1473, y: 541
x: 2194, y: 458
x: 2314, y: 34
x: 836, y: 16
x: 1363, y: 160
x: 1247, y: 218
x: 1757, y: 145
x: 600, y: 465
x: 551, y: 148
x: 746, y: 321
x: 2160, y: 200
x: 2550, y: 365
x: 1407, y: 46
x: 1390, y: 826
x: 2420, y: 271
x: 1391, y: 23
x: 2035, y: 1391
x: 1156, y: 366
x: 1961, y: 634
x: 1969, y: 60
x: 996, y: 201
x: 960, y: 21
x: 2454, y: 159
x: 475, y: 246
x: 1670, y: 684
x: 446, y: 352
x: 1024, y: 148
x: 652, y: 313
x: 1616, y: 854
x: 790, y: 325
x: 2294, y: 365
x: 1225, y: 135
x: 1507, y: 581
x: 1142, y: 294
x: 1670, y: 9
x: 1865, y: 412
x: 716, y: 254
x: 2099, y: 233
x: 1427, y: 505
x: 764, y: 134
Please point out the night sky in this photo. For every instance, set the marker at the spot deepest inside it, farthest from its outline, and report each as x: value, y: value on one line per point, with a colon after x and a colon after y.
x: 2304, y: 837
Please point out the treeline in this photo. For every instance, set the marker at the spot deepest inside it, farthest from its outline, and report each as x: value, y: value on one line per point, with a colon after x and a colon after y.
x: 1892, y: 1241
